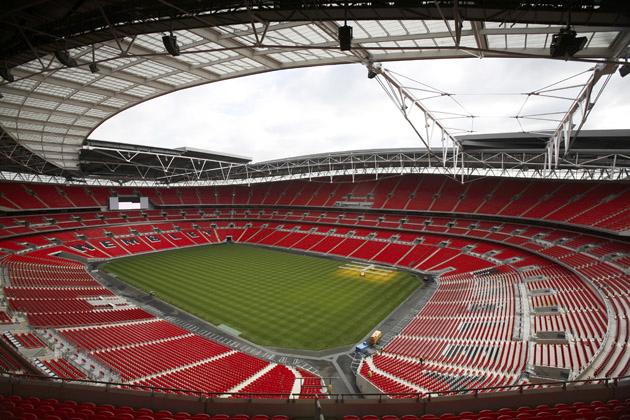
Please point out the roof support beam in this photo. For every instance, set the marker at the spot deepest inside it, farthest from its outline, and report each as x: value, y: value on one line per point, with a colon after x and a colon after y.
x: 214, y: 36
x: 480, y: 36
x: 564, y: 135
x: 43, y: 123
x: 47, y: 112
x: 134, y: 48
x: 78, y: 139
x: 46, y: 97
x: 20, y: 73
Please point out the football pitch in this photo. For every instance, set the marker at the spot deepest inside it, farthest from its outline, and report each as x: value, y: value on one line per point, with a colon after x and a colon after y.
x: 270, y: 297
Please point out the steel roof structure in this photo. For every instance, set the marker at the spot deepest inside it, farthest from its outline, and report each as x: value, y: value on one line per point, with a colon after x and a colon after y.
x: 117, y: 58
x: 516, y: 155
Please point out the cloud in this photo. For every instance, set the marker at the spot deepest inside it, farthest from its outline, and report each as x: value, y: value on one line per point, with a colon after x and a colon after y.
x: 334, y: 108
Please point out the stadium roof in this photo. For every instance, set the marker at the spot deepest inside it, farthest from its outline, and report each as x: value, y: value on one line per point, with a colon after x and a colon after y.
x: 50, y: 108
x: 602, y: 155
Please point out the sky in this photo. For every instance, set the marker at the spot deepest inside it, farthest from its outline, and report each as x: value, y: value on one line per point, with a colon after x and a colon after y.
x: 337, y: 108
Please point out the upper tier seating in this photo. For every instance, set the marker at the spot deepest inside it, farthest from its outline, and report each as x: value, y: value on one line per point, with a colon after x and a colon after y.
x: 602, y: 206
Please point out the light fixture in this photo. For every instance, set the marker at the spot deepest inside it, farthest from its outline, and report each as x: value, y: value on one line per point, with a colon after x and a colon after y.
x: 64, y: 58
x: 345, y: 38
x: 170, y: 43
x: 624, y: 70
x: 566, y: 43
x: 6, y: 74
x: 374, y: 70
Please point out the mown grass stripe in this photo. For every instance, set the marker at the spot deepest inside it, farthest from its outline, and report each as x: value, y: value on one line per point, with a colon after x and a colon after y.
x: 274, y: 298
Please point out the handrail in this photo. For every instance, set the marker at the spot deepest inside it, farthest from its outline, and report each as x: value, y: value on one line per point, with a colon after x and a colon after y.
x: 418, y: 396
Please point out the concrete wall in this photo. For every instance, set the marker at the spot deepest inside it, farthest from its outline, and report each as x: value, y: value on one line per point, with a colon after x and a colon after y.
x: 335, y: 407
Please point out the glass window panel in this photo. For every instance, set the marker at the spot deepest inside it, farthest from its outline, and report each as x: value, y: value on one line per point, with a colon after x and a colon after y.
x: 97, y: 113
x: 72, y: 108
x: 141, y: 91
x: 39, y: 103
x: 149, y: 69
x: 118, y: 103
x: 88, y: 97
x: 62, y: 119
x: 112, y: 83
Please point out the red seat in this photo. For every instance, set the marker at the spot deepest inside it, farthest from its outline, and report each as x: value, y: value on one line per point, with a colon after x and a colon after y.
x: 146, y: 411
x: 123, y: 410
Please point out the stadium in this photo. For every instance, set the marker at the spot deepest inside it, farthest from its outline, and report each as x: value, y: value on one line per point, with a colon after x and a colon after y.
x: 479, y: 275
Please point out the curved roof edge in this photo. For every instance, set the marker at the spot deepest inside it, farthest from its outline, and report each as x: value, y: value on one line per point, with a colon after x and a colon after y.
x: 62, y: 89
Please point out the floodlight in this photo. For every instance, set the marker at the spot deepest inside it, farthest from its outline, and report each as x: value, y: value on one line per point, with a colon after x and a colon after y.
x: 6, y: 74
x: 566, y: 43
x: 374, y: 70
x: 624, y: 70
x: 170, y: 43
x: 345, y: 38
x: 94, y: 68
x: 64, y: 58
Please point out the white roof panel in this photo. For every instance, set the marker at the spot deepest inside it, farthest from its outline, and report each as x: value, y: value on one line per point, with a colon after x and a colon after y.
x: 73, y: 100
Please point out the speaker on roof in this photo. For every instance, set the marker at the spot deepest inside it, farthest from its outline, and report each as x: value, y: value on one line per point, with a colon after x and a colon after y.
x: 566, y: 43
x: 345, y: 38
x: 170, y: 43
x: 64, y: 58
x: 5, y: 73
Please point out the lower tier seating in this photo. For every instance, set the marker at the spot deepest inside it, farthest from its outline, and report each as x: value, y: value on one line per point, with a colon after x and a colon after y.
x: 500, y: 288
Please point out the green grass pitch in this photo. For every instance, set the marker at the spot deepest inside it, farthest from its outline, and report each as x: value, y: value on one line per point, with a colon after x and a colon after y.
x: 273, y: 298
